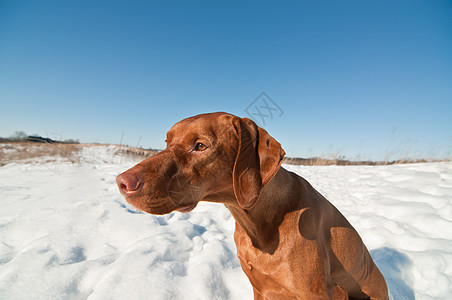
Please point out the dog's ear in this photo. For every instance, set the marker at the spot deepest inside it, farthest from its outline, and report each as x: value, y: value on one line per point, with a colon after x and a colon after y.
x: 258, y: 159
x: 270, y: 155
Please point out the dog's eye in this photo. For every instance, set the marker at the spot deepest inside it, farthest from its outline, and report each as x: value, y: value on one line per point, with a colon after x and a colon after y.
x: 200, y: 147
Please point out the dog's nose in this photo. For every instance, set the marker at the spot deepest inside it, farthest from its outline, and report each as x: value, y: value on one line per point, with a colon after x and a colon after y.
x: 128, y: 183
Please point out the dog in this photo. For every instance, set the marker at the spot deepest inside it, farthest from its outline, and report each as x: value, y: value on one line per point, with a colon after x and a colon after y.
x: 292, y: 243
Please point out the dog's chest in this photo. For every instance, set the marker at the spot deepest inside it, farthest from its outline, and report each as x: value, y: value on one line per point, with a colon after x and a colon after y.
x: 268, y: 273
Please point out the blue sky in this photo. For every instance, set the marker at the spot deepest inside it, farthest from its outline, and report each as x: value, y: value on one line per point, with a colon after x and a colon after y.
x: 362, y: 79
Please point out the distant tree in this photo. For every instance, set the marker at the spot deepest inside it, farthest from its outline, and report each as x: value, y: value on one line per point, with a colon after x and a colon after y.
x: 71, y: 141
x: 19, y: 136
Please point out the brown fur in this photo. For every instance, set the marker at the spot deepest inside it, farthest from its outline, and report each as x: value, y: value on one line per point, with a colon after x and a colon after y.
x: 292, y: 243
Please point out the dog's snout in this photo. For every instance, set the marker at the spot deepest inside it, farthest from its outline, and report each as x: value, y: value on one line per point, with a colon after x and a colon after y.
x: 128, y: 183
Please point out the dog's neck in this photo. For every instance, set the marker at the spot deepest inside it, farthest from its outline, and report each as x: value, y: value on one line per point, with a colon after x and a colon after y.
x: 262, y: 222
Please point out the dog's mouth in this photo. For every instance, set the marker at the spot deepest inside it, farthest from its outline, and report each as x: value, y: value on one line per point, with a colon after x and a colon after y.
x: 159, y: 207
x: 187, y: 209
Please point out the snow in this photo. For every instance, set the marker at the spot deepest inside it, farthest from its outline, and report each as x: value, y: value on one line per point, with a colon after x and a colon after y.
x: 67, y: 233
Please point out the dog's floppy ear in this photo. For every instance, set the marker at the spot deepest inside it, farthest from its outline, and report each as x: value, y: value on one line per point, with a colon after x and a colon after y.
x: 259, y: 157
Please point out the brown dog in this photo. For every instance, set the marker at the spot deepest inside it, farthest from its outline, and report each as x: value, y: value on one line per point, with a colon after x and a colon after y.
x: 292, y: 243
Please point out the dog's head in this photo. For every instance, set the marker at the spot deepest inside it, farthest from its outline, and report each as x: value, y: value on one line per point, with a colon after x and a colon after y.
x: 212, y: 157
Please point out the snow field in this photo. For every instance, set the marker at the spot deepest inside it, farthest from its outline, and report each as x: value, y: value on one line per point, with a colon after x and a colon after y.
x: 67, y: 233
x: 404, y: 215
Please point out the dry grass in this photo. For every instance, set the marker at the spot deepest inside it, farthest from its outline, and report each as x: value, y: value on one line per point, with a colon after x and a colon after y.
x: 138, y: 153
x: 316, y: 161
x: 26, y: 151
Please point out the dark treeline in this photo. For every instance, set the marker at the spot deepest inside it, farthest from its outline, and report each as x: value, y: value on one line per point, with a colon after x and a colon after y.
x: 20, y: 136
